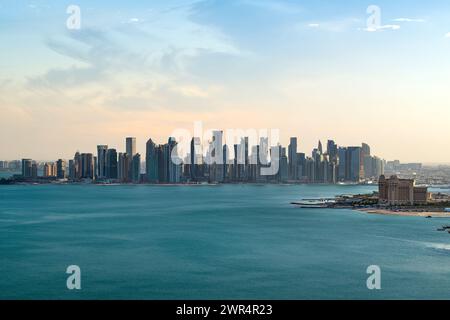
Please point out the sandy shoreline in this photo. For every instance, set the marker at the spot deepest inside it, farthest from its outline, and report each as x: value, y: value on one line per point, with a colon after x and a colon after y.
x: 406, y: 214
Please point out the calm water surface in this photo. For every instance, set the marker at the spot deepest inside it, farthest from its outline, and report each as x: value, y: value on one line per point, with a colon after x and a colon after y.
x: 211, y: 242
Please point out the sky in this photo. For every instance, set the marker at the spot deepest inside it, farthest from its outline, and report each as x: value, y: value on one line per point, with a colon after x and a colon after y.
x: 313, y: 69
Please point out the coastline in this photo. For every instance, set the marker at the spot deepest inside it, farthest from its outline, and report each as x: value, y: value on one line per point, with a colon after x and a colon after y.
x: 386, y: 212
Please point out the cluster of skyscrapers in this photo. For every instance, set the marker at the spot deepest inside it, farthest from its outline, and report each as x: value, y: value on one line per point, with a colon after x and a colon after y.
x: 239, y: 163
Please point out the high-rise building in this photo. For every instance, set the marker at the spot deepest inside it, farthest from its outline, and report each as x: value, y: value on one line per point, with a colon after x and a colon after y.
x: 101, y: 161
x: 131, y: 152
x: 301, y: 166
x: 124, y: 167
x: 283, y: 165
x: 343, y: 164
x: 49, y: 170
x: 332, y: 150
x: 136, y: 165
x: 354, y: 157
x: 87, y: 166
x: 61, y: 169
x: 194, y: 163
x: 26, y: 168
x: 292, y: 159
x: 111, y: 169
x: 151, y: 162
x: 366, y: 161
x: 131, y: 146
x: 215, y: 157
x: 365, y: 149
x: 72, y: 171
x: 34, y: 170
x: 320, y: 148
x: 173, y: 162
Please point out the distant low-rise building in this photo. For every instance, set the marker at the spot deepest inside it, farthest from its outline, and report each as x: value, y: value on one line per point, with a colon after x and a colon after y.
x: 395, y: 191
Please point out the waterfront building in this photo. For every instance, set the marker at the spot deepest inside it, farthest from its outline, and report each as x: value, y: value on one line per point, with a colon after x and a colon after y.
x: 101, y: 161
x: 283, y: 164
x: 61, y: 169
x: 72, y: 173
x: 395, y: 191
x: 332, y: 151
x: 123, y: 167
x: 151, y: 162
x: 34, y: 170
x: 87, y: 166
x: 130, y: 146
x: 111, y: 170
x: 26, y: 168
x: 195, y: 159
x: 355, y: 167
x: 342, y: 164
x: 136, y: 165
x: 77, y: 166
x: 49, y: 170
x: 173, y: 161
x: 292, y: 159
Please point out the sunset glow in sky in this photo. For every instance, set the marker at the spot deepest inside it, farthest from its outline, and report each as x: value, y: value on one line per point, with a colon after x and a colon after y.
x: 145, y: 68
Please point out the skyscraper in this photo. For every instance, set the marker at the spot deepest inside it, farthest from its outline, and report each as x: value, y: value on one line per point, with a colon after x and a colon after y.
x: 72, y: 173
x: 61, y: 169
x: 123, y: 168
x: 101, y: 161
x: 354, y: 155
x: 77, y: 166
x: 26, y: 168
x: 342, y: 165
x: 292, y: 159
x: 136, y: 165
x: 111, y: 169
x: 131, y: 146
x: 332, y: 151
x: 87, y: 166
x: 173, y: 162
x: 151, y: 162
x: 194, y: 165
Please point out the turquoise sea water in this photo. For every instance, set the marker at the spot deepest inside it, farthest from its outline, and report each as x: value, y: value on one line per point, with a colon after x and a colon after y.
x: 211, y: 242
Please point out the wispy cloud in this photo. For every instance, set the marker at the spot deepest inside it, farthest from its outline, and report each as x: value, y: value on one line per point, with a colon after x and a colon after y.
x: 409, y: 20
x: 338, y: 25
x: 274, y: 5
x: 382, y: 28
x: 447, y: 35
x: 141, y: 62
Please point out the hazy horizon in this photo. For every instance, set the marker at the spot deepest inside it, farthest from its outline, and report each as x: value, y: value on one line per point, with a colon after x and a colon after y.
x: 312, y: 69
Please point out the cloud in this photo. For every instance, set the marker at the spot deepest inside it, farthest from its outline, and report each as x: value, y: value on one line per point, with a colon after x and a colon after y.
x: 382, y: 28
x: 339, y: 25
x: 273, y: 5
x: 140, y: 64
x: 134, y: 20
x: 409, y: 20
x: 447, y: 35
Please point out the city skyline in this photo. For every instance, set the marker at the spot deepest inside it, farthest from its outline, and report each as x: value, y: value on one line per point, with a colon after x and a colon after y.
x: 312, y: 69
x: 140, y: 145
x: 243, y: 160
